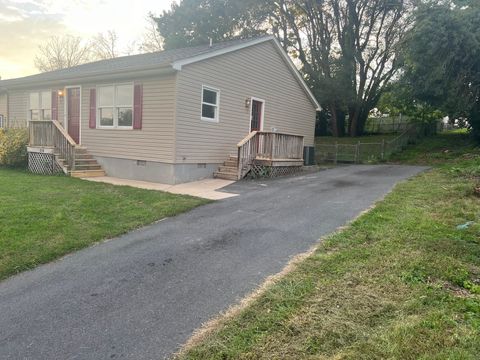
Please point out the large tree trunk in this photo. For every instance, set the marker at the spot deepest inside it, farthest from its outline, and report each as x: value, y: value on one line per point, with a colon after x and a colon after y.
x: 357, y: 119
x: 337, y: 121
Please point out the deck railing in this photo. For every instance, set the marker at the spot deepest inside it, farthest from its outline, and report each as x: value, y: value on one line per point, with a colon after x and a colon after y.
x: 49, y: 133
x: 265, y: 145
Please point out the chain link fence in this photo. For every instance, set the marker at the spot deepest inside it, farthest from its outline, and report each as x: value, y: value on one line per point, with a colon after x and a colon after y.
x: 371, y: 151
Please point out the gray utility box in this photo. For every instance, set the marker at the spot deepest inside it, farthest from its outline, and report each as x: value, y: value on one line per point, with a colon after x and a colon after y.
x: 309, y: 155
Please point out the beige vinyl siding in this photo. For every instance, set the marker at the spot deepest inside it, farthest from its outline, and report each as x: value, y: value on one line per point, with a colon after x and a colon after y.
x: 18, y: 103
x: 18, y: 106
x: 258, y: 71
x: 154, y: 142
x: 4, y: 104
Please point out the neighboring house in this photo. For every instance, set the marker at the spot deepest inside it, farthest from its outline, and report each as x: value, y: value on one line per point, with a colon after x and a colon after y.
x: 172, y: 116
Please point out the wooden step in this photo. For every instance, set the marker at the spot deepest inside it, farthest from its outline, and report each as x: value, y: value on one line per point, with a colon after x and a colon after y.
x: 83, y: 156
x: 81, y: 167
x: 228, y: 169
x: 230, y: 163
x: 225, y: 176
x: 86, y: 173
x: 86, y: 161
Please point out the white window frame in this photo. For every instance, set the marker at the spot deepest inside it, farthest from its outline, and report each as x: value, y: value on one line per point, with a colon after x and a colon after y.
x: 41, y: 108
x: 217, y: 105
x: 115, y: 107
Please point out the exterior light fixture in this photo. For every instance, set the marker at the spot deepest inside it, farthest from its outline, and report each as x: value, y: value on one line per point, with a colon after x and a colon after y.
x: 61, y: 92
x: 248, y: 101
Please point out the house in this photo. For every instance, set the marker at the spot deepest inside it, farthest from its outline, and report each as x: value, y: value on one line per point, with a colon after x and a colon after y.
x: 171, y: 116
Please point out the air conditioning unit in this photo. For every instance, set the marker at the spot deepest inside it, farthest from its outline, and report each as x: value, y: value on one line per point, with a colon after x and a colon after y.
x: 309, y: 155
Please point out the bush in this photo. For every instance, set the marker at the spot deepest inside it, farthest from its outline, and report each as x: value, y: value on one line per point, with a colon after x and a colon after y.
x: 13, y: 147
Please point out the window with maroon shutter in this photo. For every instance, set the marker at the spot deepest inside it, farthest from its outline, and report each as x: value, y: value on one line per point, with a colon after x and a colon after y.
x: 115, y: 106
x: 92, y: 121
x: 54, y: 105
x: 137, y: 106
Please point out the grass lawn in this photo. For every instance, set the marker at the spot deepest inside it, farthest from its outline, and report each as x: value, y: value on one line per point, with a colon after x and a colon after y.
x: 401, y: 282
x: 331, y: 140
x: 45, y: 217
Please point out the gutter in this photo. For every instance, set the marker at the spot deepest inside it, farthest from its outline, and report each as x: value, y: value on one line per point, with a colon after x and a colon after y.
x: 28, y: 82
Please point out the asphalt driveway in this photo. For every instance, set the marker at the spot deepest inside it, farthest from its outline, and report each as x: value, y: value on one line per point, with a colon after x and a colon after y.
x: 141, y: 295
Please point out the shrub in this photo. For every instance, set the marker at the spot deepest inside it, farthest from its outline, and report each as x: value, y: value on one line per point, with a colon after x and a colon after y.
x: 13, y: 147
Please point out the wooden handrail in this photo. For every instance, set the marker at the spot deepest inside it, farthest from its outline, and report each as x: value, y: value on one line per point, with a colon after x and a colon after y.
x: 267, y: 145
x: 51, y: 133
x: 247, y: 138
x: 64, y: 132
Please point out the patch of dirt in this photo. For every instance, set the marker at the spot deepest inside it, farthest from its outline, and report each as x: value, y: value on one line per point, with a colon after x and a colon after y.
x: 456, y: 290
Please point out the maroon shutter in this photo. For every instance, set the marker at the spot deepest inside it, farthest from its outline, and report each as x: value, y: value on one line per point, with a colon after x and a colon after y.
x: 92, y: 121
x: 137, y: 106
x: 55, y: 105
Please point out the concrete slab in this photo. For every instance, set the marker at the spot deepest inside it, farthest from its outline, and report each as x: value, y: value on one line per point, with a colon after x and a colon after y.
x: 207, y: 188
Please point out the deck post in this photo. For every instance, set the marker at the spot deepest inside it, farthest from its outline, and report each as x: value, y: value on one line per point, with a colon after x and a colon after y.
x: 357, y: 153
x: 336, y: 152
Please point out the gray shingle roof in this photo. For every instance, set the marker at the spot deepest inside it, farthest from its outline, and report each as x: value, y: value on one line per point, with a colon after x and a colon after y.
x: 125, y: 63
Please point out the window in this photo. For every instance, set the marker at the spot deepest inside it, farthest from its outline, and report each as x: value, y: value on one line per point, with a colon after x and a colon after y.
x: 40, y: 105
x: 115, y: 106
x: 210, y: 101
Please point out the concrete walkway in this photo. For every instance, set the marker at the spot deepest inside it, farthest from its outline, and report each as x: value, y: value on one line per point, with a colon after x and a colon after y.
x: 207, y: 189
x: 140, y: 296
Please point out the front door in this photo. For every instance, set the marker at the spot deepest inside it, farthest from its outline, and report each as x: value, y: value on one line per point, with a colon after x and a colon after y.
x: 73, y: 113
x: 256, y: 116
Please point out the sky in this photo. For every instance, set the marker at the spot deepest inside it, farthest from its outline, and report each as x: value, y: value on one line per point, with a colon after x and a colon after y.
x: 25, y: 24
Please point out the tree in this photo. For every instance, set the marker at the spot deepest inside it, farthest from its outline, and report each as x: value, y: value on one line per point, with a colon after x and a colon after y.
x: 195, y: 22
x: 105, y: 46
x: 62, y: 52
x: 442, y: 64
x: 152, y: 40
x: 348, y: 50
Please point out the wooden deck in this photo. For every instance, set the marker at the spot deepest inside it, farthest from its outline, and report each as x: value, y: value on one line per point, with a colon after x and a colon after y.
x: 265, y: 153
x: 50, y: 138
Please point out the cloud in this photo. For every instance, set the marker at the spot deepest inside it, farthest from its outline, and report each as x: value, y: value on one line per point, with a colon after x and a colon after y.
x: 25, y: 24
x: 23, y: 27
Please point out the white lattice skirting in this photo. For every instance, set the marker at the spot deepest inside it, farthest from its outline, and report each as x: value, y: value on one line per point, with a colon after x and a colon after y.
x: 43, y: 163
x: 264, y: 171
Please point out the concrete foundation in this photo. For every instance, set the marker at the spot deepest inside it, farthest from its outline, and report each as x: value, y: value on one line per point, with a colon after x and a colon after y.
x: 156, y: 171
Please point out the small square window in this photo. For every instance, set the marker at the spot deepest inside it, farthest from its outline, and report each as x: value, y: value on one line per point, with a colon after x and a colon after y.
x: 115, y: 106
x: 210, y: 100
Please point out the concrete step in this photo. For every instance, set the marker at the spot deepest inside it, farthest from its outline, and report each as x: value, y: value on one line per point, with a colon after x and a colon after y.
x: 233, y: 158
x: 87, y: 173
x: 225, y: 176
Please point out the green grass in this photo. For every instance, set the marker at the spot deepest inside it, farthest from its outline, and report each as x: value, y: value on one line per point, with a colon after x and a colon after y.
x: 45, y: 217
x: 330, y: 140
x: 401, y: 282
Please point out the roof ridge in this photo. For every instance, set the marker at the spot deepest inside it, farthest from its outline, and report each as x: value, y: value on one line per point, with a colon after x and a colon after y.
x: 202, y: 48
